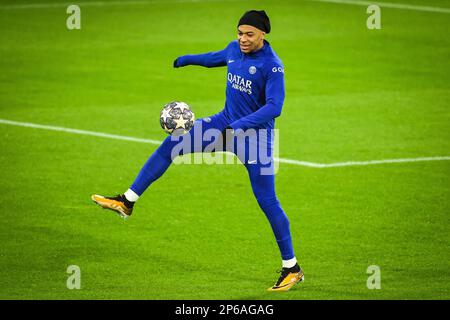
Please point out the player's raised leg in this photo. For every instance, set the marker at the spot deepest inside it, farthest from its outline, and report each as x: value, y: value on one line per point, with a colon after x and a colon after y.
x: 160, y: 161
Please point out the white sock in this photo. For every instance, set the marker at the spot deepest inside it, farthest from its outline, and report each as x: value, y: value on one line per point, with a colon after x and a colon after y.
x: 289, y: 263
x: 131, y: 195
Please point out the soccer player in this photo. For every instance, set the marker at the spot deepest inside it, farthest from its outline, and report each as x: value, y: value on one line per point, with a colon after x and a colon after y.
x: 254, y: 98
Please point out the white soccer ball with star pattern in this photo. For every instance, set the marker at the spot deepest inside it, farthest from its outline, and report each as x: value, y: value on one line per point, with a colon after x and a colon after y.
x: 176, y: 118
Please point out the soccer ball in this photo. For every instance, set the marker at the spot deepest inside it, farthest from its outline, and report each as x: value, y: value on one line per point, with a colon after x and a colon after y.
x: 176, y: 118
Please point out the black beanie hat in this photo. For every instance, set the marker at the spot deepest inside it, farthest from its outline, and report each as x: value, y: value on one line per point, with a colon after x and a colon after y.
x: 257, y: 19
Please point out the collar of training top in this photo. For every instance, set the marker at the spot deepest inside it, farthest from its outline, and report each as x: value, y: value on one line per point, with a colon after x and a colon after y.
x: 260, y: 51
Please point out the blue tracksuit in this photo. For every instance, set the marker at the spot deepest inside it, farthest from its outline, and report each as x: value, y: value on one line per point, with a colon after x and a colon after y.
x: 254, y: 97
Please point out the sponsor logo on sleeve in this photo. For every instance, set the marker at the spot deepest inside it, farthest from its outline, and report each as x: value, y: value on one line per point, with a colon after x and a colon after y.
x: 278, y: 69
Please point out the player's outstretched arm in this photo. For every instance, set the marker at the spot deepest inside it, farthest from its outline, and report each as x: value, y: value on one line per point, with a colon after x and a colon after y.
x: 209, y: 60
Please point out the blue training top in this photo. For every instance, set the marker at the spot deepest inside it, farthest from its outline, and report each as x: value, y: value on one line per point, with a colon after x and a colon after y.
x: 255, y: 84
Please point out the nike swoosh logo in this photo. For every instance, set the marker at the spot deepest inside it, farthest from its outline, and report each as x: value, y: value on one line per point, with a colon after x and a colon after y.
x: 252, y: 162
x: 230, y: 61
x: 293, y: 280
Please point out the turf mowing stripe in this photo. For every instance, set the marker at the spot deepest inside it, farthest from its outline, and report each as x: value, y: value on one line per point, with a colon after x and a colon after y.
x: 403, y: 6
x: 281, y: 160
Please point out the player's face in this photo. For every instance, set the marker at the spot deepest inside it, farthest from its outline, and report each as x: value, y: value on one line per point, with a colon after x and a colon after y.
x: 250, y: 38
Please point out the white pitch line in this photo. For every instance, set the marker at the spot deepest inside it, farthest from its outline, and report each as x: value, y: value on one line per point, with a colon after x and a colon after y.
x: 403, y: 6
x: 157, y: 142
x: 101, y: 3
x: 361, y: 163
x: 77, y: 131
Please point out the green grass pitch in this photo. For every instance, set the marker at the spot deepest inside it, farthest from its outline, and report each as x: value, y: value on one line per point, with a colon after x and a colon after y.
x: 352, y: 94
